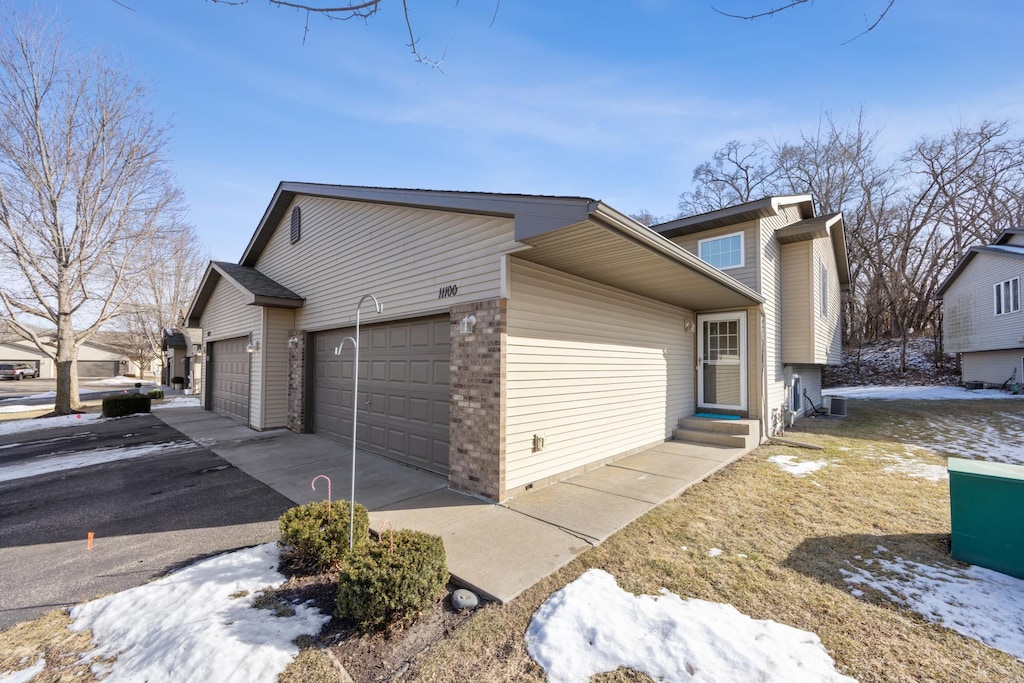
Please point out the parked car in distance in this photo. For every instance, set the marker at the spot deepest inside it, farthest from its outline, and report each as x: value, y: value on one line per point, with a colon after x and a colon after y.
x: 18, y: 371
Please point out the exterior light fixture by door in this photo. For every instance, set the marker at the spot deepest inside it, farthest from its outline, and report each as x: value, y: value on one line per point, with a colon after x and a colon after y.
x: 252, y: 346
x: 466, y: 324
x: 293, y: 341
x: 689, y: 326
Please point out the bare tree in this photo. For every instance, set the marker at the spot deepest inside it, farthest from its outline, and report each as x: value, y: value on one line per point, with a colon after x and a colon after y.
x: 84, y: 189
x: 161, y: 299
x: 737, y: 173
x: 871, y: 24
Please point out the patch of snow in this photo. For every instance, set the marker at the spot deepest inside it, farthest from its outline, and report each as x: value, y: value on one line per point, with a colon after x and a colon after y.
x: 177, y: 402
x: 789, y: 463
x: 976, y: 602
x: 715, y: 552
x: 74, y: 461
x: 996, y: 437
x: 121, y: 380
x: 19, y: 426
x: 919, y: 393
x: 24, y: 675
x: 186, y: 627
x: 591, y: 626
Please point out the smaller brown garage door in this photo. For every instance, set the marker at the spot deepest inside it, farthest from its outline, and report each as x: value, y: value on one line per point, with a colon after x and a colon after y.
x: 98, y: 368
x: 229, y: 377
x: 403, y: 390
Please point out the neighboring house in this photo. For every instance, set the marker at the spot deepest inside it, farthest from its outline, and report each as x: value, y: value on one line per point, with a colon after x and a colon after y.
x: 94, y: 360
x: 182, y: 351
x: 522, y: 338
x: 981, y: 311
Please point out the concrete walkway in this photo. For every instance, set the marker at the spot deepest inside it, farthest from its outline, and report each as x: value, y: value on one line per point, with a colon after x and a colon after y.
x: 498, y: 550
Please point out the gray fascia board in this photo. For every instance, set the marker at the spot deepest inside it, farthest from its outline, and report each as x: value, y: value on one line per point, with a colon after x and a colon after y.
x: 605, y: 215
x: 276, y: 301
x: 738, y: 213
x: 533, y: 215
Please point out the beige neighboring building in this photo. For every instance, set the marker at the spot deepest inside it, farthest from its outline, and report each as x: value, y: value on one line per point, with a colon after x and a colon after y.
x: 522, y: 338
x: 182, y: 358
x: 981, y: 311
x: 95, y: 361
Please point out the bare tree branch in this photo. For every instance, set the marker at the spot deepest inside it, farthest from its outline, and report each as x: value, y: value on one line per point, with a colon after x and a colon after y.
x: 788, y: 6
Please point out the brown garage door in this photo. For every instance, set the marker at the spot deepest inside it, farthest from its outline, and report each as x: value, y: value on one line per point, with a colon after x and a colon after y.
x: 403, y: 390
x: 229, y: 365
x: 98, y: 368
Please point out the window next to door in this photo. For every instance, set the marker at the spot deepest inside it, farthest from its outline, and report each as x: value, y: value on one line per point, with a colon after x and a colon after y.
x: 722, y: 252
x: 1007, y: 299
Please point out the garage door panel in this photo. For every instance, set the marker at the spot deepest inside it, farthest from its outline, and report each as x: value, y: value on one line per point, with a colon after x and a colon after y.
x: 230, y: 372
x: 399, y: 374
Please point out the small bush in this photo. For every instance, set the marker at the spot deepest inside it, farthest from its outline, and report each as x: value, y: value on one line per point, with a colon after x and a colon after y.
x: 177, y: 380
x: 155, y: 393
x: 316, y: 542
x: 126, y: 404
x: 378, y: 585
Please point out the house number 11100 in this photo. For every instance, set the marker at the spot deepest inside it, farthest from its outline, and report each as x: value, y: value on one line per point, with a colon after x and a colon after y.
x: 447, y: 290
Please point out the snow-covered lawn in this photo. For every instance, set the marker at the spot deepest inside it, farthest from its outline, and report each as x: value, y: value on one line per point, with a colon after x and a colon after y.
x: 177, y: 402
x: 977, y: 602
x: 45, y: 465
x: 591, y: 626
x: 199, y: 624
x: 18, y: 426
x: 936, y: 393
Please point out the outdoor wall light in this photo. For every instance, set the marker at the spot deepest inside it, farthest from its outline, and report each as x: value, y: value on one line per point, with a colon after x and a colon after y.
x: 689, y: 326
x: 466, y: 324
x: 253, y: 346
x: 293, y: 341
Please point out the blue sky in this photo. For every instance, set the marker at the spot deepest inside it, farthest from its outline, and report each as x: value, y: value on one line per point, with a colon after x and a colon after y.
x: 615, y: 101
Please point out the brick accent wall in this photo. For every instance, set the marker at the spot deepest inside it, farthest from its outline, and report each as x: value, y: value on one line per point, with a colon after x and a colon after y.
x: 297, y: 382
x: 476, y: 456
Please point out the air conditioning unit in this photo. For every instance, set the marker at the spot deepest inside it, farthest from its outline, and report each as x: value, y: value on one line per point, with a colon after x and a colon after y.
x: 836, y: 406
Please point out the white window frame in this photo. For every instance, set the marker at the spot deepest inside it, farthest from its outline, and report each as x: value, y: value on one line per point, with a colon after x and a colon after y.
x: 1006, y: 296
x: 721, y: 238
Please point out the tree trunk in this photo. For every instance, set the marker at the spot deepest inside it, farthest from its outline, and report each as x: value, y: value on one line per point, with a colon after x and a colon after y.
x: 66, y: 401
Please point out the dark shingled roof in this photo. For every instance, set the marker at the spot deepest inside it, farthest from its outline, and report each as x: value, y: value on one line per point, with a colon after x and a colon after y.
x: 259, y: 290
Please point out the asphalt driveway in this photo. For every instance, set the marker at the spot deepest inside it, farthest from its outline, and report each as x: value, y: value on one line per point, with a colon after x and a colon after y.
x: 150, y: 513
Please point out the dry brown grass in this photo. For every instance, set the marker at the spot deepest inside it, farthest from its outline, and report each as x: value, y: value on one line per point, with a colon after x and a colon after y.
x: 22, y: 645
x: 797, y: 534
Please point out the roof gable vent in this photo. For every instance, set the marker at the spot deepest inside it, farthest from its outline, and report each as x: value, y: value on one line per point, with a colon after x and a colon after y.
x: 296, y: 224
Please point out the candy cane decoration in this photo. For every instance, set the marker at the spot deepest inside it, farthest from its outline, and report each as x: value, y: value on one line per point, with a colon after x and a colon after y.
x: 312, y: 485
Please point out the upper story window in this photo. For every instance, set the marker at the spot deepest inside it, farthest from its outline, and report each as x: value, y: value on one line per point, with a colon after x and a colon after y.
x: 823, y: 276
x: 296, y: 226
x: 1007, y: 296
x: 723, y: 252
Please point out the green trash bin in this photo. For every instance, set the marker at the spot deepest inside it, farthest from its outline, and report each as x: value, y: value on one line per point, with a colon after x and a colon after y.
x: 986, y: 501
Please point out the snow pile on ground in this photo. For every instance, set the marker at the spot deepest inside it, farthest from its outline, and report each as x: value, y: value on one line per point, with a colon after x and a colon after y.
x: 789, y: 463
x: 199, y: 625
x: 919, y: 393
x: 976, y: 602
x: 24, y: 675
x: 19, y: 426
x: 45, y: 465
x: 177, y: 402
x: 592, y: 625
x: 911, y: 465
x: 121, y: 380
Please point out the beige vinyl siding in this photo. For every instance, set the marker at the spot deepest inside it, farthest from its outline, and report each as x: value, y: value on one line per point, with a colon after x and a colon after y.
x: 227, y: 315
x: 992, y: 367
x: 969, y: 321
x: 828, y: 342
x: 401, y: 255
x: 798, y: 303
x: 748, y: 273
x: 277, y: 323
x: 769, y: 274
x: 596, y: 371
x: 810, y: 381
x: 1016, y: 240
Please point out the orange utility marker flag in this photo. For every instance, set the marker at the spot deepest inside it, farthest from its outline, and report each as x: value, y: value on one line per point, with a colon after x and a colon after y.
x: 88, y: 545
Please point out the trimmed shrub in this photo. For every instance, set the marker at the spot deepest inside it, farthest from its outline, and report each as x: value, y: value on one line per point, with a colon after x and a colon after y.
x: 315, y: 541
x: 378, y: 584
x: 177, y: 380
x: 155, y: 393
x: 126, y: 404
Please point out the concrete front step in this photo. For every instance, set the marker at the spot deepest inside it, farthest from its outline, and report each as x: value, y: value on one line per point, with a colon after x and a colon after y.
x: 741, y: 433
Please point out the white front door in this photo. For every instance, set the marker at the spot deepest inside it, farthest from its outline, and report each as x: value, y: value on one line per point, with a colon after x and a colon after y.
x: 722, y: 361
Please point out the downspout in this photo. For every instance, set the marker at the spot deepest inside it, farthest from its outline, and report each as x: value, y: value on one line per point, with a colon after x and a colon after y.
x: 764, y: 377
